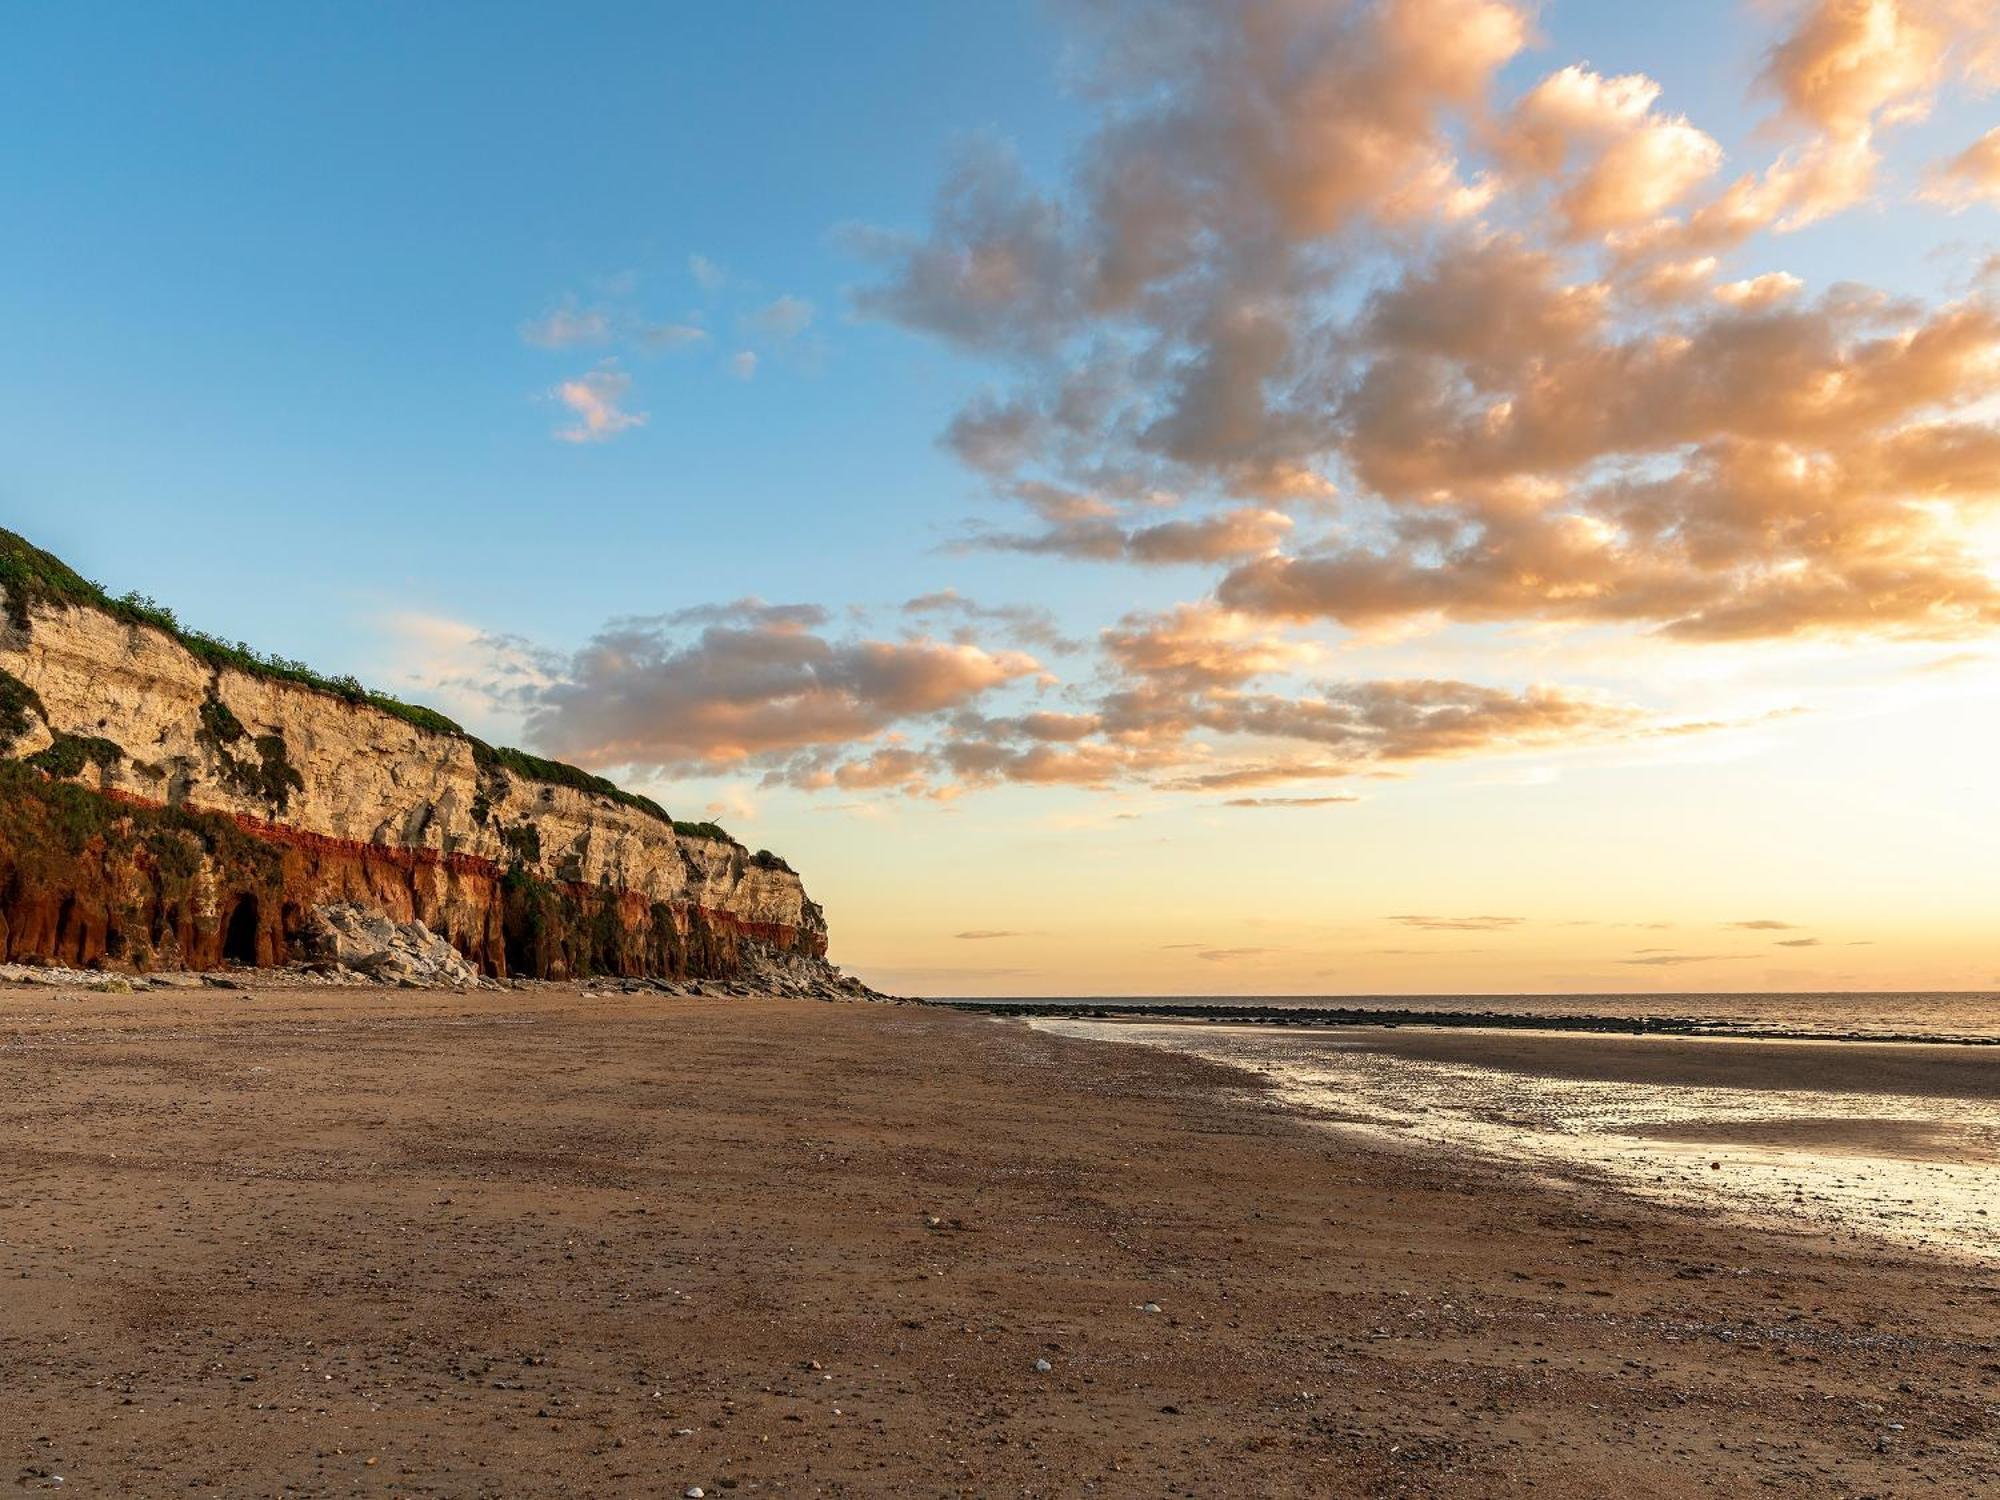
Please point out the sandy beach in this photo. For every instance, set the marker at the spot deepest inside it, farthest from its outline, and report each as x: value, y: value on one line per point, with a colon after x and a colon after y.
x: 364, y: 1242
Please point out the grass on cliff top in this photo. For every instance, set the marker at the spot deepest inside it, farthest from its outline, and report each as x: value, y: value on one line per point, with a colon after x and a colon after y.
x: 31, y: 576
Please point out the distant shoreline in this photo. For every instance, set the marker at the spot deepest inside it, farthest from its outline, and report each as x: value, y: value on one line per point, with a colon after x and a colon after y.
x: 1253, y: 1014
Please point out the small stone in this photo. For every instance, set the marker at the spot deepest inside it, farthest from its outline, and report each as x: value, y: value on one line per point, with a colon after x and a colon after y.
x: 1042, y: 1367
x: 694, y: 1492
x: 1151, y: 1307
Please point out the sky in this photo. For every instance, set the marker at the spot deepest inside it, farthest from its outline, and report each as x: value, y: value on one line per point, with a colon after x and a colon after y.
x: 1283, y: 496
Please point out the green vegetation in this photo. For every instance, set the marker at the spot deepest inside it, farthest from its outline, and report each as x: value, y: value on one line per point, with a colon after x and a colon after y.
x: 493, y: 759
x: 31, y: 576
x: 764, y: 859
x: 72, y: 752
x: 524, y: 843
x: 703, y: 831
x: 219, y: 725
x: 20, y: 706
x: 271, y: 777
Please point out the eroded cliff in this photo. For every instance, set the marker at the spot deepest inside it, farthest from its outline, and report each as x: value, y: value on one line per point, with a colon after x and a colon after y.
x: 165, y: 801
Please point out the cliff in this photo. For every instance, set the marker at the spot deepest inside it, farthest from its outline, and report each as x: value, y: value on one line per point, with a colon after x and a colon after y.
x: 167, y: 800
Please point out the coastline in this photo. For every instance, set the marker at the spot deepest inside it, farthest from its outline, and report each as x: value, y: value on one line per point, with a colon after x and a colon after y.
x: 428, y: 1243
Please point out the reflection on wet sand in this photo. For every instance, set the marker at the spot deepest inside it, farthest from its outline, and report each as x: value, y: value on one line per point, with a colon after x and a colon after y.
x: 1900, y: 1142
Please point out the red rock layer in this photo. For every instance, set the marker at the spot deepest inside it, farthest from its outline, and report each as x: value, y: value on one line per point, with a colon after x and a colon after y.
x: 108, y: 879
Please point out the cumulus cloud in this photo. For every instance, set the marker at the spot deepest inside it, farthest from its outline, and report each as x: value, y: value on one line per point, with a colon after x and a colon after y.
x: 1973, y: 176
x: 724, y: 685
x: 1555, y: 406
x: 1329, y: 314
x: 1025, y: 625
x: 1241, y: 531
x: 595, y: 400
x: 1617, y: 161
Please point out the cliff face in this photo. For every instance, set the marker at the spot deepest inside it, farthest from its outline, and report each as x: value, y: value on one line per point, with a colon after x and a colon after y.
x: 158, y: 809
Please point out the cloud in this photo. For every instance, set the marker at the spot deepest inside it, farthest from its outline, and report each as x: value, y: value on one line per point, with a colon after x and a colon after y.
x: 1024, y: 624
x: 1308, y: 264
x: 743, y: 364
x: 594, y: 400
x: 1229, y: 955
x: 1290, y: 801
x: 1241, y: 531
x: 1459, y: 924
x: 567, y: 326
x: 1766, y: 924
x: 1617, y: 161
x: 785, y: 318
x: 707, y: 275
x: 1674, y: 960
x: 745, y: 683
x: 1798, y: 942
x: 981, y: 934
x: 1973, y: 176
x: 1848, y: 61
x: 662, y: 338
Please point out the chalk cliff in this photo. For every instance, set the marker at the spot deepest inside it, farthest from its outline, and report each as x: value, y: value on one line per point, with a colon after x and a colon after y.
x: 168, y: 800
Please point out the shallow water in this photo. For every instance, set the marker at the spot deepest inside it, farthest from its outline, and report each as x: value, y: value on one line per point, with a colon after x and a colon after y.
x: 1917, y: 1169
x: 1942, y: 1014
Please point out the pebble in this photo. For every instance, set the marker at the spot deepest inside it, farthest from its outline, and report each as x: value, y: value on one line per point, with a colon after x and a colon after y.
x: 1042, y: 1367
x: 694, y: 1492
x: 1151, y: 1307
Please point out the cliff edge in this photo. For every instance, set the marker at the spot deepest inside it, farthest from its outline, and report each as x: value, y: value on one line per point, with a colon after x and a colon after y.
x: 170, y: 800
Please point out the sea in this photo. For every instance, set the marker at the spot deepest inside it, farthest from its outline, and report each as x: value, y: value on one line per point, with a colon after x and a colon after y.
x: 1891, y: 1015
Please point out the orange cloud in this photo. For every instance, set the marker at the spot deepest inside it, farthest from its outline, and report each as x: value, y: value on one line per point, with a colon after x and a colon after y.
x: 756, y: 680
x: 1973, y: 176
x: 596, y: 399
x: 1617, y: 161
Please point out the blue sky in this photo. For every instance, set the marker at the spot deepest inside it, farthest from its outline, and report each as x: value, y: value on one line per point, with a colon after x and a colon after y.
x: 264, y: 292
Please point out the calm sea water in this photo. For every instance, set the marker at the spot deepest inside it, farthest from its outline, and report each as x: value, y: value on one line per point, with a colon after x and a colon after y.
x: 1909, y: 1014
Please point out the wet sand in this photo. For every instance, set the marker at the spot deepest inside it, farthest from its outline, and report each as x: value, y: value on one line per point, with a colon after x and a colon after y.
x: 1935, y: 1072
x: 392, y: 1243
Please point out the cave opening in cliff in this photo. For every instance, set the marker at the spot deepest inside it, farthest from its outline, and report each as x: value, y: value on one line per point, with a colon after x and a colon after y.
x: 239, y: 941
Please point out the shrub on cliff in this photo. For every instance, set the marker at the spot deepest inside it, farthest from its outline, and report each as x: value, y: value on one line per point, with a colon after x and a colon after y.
x: 20, y: 706
x: 703, y: 831
x: 70, y: 753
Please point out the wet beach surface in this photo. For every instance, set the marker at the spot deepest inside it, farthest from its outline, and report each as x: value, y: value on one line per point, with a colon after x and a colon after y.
x: 396, y: 1243
x: 1893, y: 1139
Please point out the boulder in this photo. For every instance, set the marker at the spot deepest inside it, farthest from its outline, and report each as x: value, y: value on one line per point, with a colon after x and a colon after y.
x: 401, y: 953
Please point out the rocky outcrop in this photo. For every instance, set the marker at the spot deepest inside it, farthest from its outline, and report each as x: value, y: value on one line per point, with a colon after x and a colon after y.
x: 162, y: 804
x: 346, y: 936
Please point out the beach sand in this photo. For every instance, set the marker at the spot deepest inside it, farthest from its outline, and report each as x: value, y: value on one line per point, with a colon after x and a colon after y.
x: 401, y: 1243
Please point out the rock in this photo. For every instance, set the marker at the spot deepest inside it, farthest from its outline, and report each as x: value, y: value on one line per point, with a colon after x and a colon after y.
x: 1150, y: 1307
x: 1042, y: 1367
x: 397, y: 953
x: 693, y: 1492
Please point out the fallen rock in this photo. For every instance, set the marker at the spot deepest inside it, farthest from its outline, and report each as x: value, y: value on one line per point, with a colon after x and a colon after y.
x: 389, y: 952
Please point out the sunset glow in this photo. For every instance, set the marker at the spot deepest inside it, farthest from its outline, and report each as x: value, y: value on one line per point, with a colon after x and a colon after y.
x: 1276, y: 497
